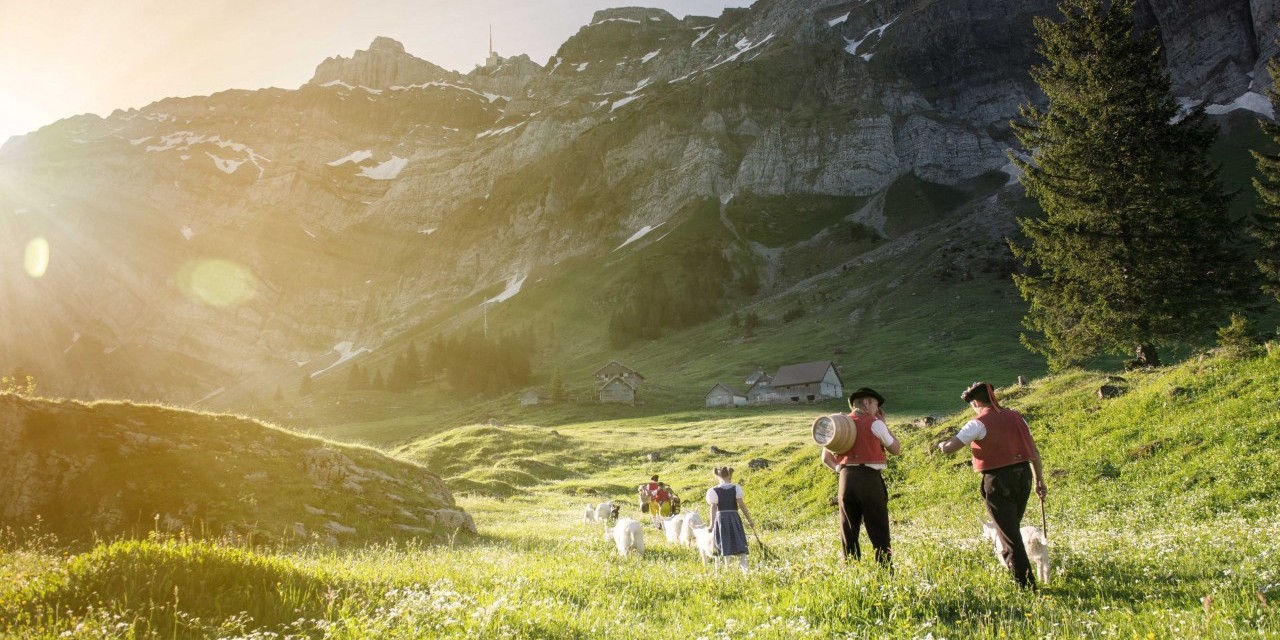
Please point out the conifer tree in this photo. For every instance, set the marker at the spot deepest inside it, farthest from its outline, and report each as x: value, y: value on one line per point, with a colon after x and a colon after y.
x: 399, y: 379
x: 378, y: 383
x: 413, y: 366
x: 357, y: 380
x: 1135, y: 249
x: 557, y: 385
x: 1266, y: 226
x: 304, y: 389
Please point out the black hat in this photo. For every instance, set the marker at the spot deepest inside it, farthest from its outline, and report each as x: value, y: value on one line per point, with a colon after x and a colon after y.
x: 866, y: 392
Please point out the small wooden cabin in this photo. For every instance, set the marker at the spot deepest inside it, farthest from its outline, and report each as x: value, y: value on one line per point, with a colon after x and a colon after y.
x: 762, y: 392
x: 618, y: 390
x: 723, y: 395
x: 808, y: 382
x: 534, y: 396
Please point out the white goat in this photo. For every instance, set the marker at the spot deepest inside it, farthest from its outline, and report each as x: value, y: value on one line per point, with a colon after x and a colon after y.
x: 1033, y: 541
x: 603, y: 510
x: 597, y: 513
x: 706, y: 543
x: 672, y: 525
x: 628, y: 534
x: 691, y: 520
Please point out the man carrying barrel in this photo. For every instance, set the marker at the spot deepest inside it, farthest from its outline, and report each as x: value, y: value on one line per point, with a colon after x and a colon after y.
x: 862, y: 493
x: 1005, y: 454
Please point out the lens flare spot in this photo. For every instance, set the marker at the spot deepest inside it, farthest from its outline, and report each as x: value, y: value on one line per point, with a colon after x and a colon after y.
x: 217, y: 283
x: 36, y: 259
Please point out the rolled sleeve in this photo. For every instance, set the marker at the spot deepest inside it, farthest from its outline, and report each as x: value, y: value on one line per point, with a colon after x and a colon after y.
x: 881, y: 430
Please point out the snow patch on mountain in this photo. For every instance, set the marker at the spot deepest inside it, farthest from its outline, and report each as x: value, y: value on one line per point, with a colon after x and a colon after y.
x: 852, y: 45
x: 835, y: 21
x: 649, y: 56
x: 386, y: 170
x: 346, y: 350
x: 1250, y: 101
x: 639, y: 234
x: 514, y: 283
x: 355, y: 157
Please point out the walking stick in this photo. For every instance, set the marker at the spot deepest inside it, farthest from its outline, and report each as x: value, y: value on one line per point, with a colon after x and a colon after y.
x: 768, y: 555
x: 1044, y: 525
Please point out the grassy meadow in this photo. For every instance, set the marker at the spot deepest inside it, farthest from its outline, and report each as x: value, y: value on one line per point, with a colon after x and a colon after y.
x: 1162, y: 515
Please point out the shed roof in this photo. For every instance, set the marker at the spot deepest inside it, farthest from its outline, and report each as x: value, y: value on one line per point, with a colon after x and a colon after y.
x: 616, y: 378
x: 615, y: 368
x: 807, y: 373
x: 728, y: 388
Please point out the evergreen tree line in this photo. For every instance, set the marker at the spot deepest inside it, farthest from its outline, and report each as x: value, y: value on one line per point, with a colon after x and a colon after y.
x: 653, y: 308
x: 472, y: 363
x: 406, y: 372
x: 1136, y: 249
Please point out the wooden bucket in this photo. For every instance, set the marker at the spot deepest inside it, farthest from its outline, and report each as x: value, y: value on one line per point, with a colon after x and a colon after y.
x: 835, y: 433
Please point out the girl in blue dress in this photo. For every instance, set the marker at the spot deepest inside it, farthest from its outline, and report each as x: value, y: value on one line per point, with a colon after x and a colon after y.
x: 726, y: 500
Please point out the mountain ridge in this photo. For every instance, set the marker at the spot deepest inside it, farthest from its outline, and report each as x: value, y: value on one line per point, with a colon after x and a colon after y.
x: 357, y: 214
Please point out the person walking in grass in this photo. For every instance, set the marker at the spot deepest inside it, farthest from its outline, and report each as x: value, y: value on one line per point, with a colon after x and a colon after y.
x: 864, y: 500
x: 659, y: 501
x: 1005, y: 454
x: 726, y: 500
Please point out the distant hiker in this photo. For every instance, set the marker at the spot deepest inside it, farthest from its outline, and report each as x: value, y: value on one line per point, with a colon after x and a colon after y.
x: 864, y: 500
x: 1005, y: 454
x: 726, y: 500
x: 659, y: 501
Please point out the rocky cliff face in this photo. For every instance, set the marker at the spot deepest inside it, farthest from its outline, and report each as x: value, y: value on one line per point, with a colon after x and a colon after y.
x: 213, y: 247
x: 121, y: 469
x: 384, y: 65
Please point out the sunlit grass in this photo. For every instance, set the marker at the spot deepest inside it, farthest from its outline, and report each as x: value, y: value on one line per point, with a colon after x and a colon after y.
x: 1162, y: 520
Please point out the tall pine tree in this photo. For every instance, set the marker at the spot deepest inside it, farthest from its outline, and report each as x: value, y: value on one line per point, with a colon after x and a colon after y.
x: 1136, y: 249
x: 1266, y: 227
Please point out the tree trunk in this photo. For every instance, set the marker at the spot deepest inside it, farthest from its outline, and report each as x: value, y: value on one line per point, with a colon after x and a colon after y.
x: 1146, y: 356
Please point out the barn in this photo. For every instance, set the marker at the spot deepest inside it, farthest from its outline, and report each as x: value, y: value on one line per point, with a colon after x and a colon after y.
x: 618, y: 390
x: 723, y: 395
x: 808, y: 382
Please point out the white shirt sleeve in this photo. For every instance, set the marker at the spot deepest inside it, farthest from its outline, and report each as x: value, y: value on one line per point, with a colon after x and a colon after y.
x: 712, y: 498
x: 737, y: 488
x: 881, y: 430
x: 972, y: 430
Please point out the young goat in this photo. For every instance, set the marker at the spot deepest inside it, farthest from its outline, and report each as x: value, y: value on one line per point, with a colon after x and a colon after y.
x: 706, y: 543
x: 672, y: 525
x: 691, y: 520
x: 628, y: 534
x: 1033, y: 541
x: 600, y: 512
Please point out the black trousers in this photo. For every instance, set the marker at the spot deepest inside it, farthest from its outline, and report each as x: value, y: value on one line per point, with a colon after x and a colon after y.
x: 1005, y: 492
x: 864, y: 500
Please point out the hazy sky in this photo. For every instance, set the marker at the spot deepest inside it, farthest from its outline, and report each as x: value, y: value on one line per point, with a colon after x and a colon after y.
x: 64, y: 57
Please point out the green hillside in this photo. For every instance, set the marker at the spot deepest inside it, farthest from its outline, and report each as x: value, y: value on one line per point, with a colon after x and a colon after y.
x: 1162, y: 521
x: 86, y: 472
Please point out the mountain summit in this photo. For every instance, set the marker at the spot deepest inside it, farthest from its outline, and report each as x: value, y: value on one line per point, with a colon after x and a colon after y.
x: 382, y: 66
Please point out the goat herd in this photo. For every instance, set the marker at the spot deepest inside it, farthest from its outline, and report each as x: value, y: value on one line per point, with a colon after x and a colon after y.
x: 686, y: 529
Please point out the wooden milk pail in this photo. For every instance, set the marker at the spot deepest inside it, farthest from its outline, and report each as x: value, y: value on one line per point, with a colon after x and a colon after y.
x: 835, y: 433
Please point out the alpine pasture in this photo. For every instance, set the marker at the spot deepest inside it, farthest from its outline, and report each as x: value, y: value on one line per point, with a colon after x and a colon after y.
x: 1162, y: 519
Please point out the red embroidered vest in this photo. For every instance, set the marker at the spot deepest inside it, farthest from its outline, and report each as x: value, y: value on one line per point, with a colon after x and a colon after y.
x: 867, y: 448
x: 1008, y: 441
